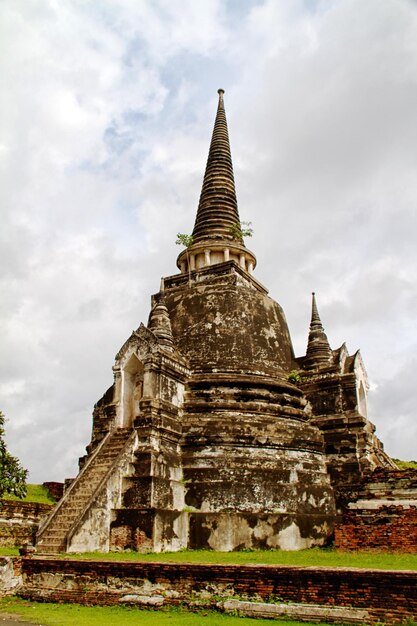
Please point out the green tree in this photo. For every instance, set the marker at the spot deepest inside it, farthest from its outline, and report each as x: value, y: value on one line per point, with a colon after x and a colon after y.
x: 12, y: 475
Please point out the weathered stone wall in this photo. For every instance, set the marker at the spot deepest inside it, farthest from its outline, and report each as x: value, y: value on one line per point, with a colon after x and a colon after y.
x: 225, y: 320
x: 381, y: 513
x: 226, y: 531
x: 10, y: 574
x: 19, y: 521
x: 385, y: 595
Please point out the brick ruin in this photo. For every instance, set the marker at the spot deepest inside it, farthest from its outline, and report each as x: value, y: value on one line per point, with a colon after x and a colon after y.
x: 380, y: 512
x: 207, y: 438
x: 19, y: 521
x: 322, y: 594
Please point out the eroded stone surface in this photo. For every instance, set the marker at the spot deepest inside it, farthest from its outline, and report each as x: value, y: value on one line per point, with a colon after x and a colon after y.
x: 213, y: 435
x: 313, y: 612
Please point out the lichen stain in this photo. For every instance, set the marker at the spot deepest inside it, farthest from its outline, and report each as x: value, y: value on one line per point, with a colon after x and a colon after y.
x: 290, y: 539
x: 230, y: 533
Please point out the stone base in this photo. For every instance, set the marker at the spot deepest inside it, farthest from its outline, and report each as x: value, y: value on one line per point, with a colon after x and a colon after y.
x: 237, y: 531
x: 148, y: 530
x: 159, y: 530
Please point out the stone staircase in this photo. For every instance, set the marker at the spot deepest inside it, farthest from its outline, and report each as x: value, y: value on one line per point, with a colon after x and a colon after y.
x: 52, y: 535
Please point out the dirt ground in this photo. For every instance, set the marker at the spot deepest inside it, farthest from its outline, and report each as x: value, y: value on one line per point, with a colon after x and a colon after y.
x: 8, y: 619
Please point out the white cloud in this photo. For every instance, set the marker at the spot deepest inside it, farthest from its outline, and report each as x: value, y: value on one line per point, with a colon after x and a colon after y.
x: 105, y: 124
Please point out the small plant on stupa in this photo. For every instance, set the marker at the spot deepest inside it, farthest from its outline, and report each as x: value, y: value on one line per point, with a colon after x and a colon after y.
x: 294, y: 377
x: 241, y: 229
x: 184, y: 240
x: 187, y: 242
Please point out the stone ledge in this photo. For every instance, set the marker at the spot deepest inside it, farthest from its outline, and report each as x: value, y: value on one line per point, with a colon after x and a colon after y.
x: 307, y: 612
x: 133, y: 598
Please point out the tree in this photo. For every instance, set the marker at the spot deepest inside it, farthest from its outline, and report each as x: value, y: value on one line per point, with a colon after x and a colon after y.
x: 12, y: 475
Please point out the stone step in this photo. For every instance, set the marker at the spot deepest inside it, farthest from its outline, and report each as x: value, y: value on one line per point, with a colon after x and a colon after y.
x: 82, y: 493
x: 84, y: 490
x: 78, y: 501
x: 54, y: 536
x: 58, y: 530
x: 51, y: 549
x: 63, y: 526
x: 54, y: 541
x: 80, y: 490
x: 65, y: 515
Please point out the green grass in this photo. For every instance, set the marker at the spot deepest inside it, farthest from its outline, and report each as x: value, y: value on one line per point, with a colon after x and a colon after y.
x: 35, y: 493
x: 9, y: 551
x: 74, y: 614
x: 306, y: 558
x: 404, y: 465
x: 313, y: 557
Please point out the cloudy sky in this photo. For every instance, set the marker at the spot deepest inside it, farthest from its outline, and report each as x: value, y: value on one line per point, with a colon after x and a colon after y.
x: 107, y: 109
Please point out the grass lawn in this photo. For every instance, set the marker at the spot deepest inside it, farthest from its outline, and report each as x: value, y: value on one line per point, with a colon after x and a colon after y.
x: 404, y: 465
x: 35, y: 493
x: 76, y: 615
x: 307, y: 558
x: 312, y: 557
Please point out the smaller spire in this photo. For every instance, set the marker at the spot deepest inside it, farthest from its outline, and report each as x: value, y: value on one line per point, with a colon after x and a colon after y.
x: 315, y: 317
x: 319, y: 351
x: 160, y: 324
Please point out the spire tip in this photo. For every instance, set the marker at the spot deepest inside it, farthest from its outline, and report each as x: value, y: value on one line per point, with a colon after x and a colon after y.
x: 220, y: 91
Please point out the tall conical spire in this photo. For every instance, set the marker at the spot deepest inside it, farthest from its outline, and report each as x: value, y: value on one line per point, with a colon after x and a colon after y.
x: 318, y: 347
x: 217, y: 237
x: 217, y: 210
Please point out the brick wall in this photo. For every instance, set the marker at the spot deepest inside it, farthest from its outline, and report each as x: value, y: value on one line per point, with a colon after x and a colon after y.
x: 380, y: 512
x: 388, y: 528
x: 19, y: 521
x: 387, y: 595
x: 55, y: 489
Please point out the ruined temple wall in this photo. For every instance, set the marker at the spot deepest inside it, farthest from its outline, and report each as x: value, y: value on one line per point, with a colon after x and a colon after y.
x: 385, y: 528
x: 380, y: 512
x: 19, y: 521
x: 381, y: 595
x: 351, y: 445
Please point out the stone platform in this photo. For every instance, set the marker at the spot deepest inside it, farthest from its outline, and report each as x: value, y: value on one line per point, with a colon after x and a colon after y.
x: 332, y: 594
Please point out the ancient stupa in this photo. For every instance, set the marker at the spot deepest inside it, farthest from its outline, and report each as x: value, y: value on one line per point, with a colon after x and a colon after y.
x: 213, y: 434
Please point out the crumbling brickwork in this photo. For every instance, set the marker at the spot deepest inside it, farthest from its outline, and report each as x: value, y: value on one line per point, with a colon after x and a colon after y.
x: 385, y: 528
x: 19, y: 521
x: 381, y: 513
x: 55, y: 489
x: 387, y: 596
